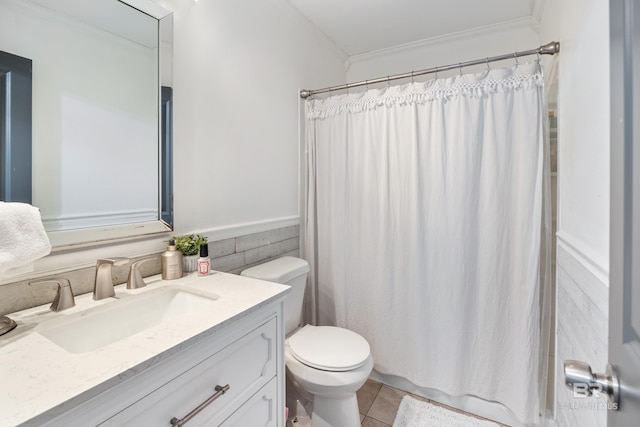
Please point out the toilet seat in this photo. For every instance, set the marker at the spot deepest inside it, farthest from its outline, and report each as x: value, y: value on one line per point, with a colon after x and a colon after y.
x: 329, y: 348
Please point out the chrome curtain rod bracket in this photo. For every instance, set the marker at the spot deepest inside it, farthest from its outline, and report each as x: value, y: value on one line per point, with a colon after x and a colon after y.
x: 547, y: 49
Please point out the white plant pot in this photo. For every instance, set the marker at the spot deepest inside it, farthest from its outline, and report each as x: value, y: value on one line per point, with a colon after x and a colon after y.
x: 190, y: 263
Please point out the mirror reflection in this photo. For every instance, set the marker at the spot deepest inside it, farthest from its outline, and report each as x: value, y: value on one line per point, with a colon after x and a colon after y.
x: 15, y: 128
x: 101, y: 149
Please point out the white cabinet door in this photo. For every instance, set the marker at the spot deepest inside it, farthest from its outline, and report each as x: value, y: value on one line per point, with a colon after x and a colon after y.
x: 259, y: 411
x: 246, y: 366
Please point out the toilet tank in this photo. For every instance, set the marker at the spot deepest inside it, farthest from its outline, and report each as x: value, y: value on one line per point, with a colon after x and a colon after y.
x: 290, y: 271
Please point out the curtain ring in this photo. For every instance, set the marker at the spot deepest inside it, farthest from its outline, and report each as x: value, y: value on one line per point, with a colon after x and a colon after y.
x: 366, y: 84
x: 412, y: 80
x: 388, y: 81
x: 460, y: 68
x: 436, y: 73
x: 515, y: 56
x: 488, y: 67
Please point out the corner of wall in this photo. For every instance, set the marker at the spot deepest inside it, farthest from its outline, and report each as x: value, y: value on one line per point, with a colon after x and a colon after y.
x: 582, y: 286
x: 295, y: 14
x: 537, y: 13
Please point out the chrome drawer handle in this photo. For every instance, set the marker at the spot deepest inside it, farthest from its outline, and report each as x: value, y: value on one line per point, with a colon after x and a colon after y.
x: 220, y: 390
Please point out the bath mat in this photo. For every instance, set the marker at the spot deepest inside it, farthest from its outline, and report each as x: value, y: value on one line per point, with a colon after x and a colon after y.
x: 416, y: 413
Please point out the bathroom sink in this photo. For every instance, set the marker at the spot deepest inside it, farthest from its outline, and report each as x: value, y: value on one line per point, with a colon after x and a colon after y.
x: 95, y: 328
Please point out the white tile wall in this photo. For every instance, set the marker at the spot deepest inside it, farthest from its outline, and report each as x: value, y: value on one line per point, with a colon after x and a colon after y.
x: 229, y: 255
x: 582, y: 334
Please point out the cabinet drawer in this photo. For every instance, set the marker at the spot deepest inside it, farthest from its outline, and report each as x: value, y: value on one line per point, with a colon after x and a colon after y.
x: 259, y: 411
x: 246, y: 366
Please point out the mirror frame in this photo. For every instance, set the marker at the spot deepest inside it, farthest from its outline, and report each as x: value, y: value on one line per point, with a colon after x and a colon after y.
x: 67, y: 239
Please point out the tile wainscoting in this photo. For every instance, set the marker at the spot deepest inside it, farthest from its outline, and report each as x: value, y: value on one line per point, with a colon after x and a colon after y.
x: 582, y: 331
x: 230, y: 255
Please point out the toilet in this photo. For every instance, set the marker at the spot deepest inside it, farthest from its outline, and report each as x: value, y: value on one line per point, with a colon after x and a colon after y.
x: 325, y: 363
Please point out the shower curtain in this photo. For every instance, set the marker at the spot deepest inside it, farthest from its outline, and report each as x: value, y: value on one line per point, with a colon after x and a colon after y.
x: 424, y: 217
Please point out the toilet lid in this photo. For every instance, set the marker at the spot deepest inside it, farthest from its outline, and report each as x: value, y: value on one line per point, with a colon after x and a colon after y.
x: 329, y: 348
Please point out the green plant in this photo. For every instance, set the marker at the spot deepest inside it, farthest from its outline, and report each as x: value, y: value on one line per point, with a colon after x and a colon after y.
x: 190, y: 243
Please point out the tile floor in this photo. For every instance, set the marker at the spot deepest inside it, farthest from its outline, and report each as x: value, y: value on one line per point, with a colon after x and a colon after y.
x: 379, y: 403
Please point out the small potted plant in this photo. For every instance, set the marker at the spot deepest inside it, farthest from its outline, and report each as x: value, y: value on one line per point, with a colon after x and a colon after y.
x: 189, y: 246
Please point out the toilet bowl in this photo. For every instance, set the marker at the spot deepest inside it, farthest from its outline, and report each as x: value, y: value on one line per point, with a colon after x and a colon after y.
x: 331, y: 384
x: 327, y: 363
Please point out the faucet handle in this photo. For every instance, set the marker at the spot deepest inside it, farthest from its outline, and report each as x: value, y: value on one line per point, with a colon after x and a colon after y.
x: 115, y: 261
x: 64, y: 298
x: 135, y: 279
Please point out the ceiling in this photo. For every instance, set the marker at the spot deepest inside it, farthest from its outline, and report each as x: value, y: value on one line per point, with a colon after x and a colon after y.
x: 361, y: 26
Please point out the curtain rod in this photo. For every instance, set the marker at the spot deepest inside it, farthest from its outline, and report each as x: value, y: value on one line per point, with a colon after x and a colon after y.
x: 547, y: 49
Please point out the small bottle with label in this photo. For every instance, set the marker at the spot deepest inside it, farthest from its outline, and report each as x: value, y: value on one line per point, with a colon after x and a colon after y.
x: 204, y: 263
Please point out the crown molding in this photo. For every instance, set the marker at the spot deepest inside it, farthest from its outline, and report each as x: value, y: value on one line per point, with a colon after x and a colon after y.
x: 447, y: 38
x: 537, y: 11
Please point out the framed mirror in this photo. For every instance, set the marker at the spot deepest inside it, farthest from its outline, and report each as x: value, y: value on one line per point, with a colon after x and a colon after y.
x: 101, y: 143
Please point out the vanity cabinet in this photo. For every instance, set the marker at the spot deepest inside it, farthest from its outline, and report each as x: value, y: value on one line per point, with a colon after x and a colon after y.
x: 247, y: 355
x: 245, y: 366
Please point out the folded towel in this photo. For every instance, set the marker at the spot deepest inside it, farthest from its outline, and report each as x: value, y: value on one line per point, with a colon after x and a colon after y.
x: 22, y: 236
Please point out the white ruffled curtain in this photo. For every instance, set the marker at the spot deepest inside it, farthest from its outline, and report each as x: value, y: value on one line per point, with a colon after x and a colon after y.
x: 423, y: 230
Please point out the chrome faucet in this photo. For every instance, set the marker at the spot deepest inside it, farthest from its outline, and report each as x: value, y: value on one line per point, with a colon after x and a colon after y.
x: 135, y: 279
x: 64, y: 296
x: 103, y: 287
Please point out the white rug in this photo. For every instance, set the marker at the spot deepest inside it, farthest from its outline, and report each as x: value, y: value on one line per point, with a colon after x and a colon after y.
x: 416, y: 413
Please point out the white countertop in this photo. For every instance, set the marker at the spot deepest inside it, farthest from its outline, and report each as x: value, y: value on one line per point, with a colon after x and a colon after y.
x: 37, y: 376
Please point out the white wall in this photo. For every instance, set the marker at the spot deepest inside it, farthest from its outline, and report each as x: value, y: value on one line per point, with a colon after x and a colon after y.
x: 582, y: 28
x: 238, y: 67
x: 469, y: 45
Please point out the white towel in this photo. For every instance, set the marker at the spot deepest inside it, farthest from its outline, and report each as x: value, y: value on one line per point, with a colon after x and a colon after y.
x: 22, y: 237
